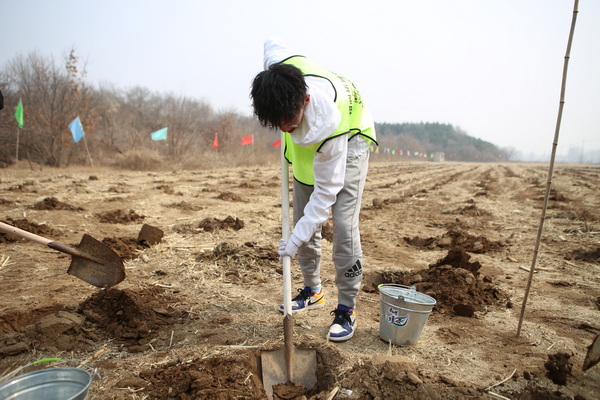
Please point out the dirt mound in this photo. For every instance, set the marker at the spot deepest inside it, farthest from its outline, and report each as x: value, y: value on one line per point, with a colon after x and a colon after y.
x: 458, y: 258
x: 473, y: 244
x: 288, y: 390
x: 185, y: 206
x: 417, y: 241
x: 472, y: 211
x: 48, y: 331
x: 213, y: 224
x: 457, y: 238
x: 27, y: 186
x: 126, y: 248
x: 454, y: 282
x: 555, y: 196
x: 26, y: 225
x: 246, y: 263
x: 590, y: 256
x: 167, y: 189
x: 52, y: 203
x: 61, y: 331
x: 117, y: 189
x: 218, y: 377
x: 237, y: 377
x: 558, y: 367
x: 396, y: 378
x: 230, y: 196
x: 130, y: 318
x: 120, y: 217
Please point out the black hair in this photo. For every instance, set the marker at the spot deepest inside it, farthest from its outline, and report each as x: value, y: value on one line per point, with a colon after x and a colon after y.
x: 278, y: 94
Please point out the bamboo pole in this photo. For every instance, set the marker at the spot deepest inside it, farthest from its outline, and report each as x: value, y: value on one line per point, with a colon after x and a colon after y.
x: 17, y: 155
x: 88, y: 152
x: 551, y: 167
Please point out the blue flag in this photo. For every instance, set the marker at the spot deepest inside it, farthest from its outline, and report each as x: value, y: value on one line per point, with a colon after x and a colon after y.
x: 76, y: 129
x: 160, y: 134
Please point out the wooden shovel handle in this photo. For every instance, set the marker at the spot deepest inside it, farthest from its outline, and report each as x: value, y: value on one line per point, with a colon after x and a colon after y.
x: 66, y: 249
x: 24, y: 234
x: 288, y: 321
x: 285, y: 231
x: 38, y: 239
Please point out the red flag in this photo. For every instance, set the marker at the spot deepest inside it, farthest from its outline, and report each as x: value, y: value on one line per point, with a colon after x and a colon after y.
x: 216, y: 142
x: 276, y: 143
x: 248, y: 140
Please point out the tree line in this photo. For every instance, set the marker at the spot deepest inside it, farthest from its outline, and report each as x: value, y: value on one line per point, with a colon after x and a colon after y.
x: 434, y: 137
x: 118, y: 123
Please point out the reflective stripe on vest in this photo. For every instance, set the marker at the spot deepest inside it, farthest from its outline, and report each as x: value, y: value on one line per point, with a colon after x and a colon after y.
x: 349, y: 103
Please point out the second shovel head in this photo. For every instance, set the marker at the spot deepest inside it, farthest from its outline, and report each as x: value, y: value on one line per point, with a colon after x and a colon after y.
x: 275, y: 371
x: 98, y: 265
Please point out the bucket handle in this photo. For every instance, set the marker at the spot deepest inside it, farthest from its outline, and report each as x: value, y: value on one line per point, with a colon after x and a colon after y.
x: 400, y: 297
x: 94, y: 371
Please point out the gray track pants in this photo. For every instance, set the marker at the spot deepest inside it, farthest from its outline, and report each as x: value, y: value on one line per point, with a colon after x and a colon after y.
x: 347, y: 252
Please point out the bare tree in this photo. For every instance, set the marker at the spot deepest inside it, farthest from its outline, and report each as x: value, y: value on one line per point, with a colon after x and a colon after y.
x: 52, y: 97
x: 185, y: 118
x: 224, y: 124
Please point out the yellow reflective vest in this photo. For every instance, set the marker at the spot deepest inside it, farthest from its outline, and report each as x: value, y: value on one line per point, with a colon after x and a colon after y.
x: 353, y: 122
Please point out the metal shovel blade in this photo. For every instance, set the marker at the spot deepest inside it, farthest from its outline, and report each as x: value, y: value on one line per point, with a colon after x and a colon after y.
x: 150, y: 235
x: 275, y: 370
x: 92, y: 261
x: 96, y: 263
x: 288, y: 364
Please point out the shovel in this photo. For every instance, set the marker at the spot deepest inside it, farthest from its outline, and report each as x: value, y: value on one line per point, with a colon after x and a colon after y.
x: 92, y: 261
x: 287, y: 364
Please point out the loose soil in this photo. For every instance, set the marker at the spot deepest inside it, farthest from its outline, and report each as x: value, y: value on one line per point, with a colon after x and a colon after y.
x: 203, y: 284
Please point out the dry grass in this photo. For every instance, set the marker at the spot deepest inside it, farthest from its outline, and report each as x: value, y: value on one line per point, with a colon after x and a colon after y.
x: 139, y: 160
x: 149, y: 160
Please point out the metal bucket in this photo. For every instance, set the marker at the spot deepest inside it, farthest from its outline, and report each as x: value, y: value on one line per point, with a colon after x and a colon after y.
x: 404, y: 313
x: 49, y: 384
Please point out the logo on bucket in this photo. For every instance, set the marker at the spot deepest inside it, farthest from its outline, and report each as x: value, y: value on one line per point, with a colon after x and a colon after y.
x: 394, y: 317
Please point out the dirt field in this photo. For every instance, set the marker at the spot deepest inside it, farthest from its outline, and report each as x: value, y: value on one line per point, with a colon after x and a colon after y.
x: 196, y: 309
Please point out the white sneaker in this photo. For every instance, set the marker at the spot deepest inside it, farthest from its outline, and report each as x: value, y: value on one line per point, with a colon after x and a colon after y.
x: 343, y: 326
x: 307, y: 300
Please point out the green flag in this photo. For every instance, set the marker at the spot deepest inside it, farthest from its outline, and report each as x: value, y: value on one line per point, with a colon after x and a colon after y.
x: 19, y: 114
x: 160, y: 134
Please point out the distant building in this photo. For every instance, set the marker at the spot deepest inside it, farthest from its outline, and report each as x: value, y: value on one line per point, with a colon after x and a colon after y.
x: 439, y: 156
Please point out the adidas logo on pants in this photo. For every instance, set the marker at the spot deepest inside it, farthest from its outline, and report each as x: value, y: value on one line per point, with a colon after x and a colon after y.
x: 355, y: 271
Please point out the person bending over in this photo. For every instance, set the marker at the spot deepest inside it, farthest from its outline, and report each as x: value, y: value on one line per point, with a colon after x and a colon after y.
x: 328, y: 134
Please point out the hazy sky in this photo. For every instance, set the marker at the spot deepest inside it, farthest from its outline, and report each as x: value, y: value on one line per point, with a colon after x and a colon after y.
x: 491, y: 67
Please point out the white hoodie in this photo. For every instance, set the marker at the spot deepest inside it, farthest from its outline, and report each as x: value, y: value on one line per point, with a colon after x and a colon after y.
x: 321, y: 119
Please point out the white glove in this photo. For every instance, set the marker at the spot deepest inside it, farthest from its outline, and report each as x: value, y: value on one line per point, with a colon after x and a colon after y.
x: 289, y: 247
x: 282, y: 244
